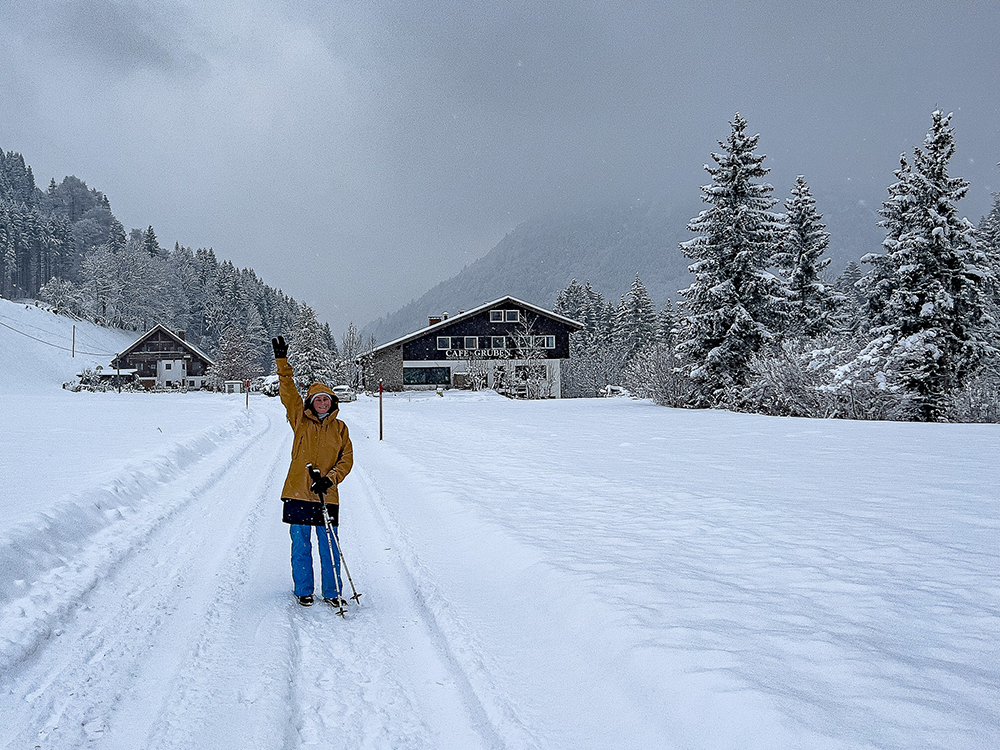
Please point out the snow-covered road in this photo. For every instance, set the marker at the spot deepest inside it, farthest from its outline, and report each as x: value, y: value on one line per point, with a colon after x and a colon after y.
x: 174, y: 626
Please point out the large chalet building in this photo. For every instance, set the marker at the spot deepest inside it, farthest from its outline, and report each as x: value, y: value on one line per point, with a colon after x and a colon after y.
x: 508, y: 345
x: 162, y: 358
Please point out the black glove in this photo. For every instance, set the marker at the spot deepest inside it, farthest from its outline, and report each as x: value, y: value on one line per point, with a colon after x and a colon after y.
x: 320, y: 483
x: 280, y: 347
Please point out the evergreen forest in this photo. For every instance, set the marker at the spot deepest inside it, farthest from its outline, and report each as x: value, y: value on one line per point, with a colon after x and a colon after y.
x: 64, y: 246
x: 908, y: 333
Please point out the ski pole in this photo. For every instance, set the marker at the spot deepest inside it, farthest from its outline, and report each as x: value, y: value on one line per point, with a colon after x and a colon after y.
x: 328, y: 526
x: 330, y: 534
x: 355, y: 595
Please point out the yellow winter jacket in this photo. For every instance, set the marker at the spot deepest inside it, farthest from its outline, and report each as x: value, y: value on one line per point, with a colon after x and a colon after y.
x: 325, y: 444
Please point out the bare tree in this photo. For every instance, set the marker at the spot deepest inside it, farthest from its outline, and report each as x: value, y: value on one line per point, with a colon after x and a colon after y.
x: 528, y: 371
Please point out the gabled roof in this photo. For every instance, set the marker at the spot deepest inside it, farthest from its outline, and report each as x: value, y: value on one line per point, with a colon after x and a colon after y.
x: 475, y: 311
x: 159, y: 327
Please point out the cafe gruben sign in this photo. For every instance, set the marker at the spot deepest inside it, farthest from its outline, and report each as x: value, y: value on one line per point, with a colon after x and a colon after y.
x: 477, y: 354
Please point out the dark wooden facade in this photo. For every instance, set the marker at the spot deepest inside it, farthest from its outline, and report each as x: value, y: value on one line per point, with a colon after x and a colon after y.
x: 164, y: 359
x: 494, y: 346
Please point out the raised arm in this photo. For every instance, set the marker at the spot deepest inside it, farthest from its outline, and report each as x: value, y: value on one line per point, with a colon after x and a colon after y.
x: 286, y: 384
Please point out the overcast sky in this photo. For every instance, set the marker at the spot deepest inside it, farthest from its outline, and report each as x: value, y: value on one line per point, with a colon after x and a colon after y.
x: 356, y: 153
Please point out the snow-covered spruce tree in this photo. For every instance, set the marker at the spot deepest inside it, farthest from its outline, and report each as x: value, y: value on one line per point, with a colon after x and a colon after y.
x: 656, y: 372
x: 847, y: 285
x: 735, y: 306
x: 308, y: 353
x: 666, y: 325
x: 815, y: 307
x: 331, y: 341
x: 149, y: 242
x: 930, y: 336
x: 988, y: 239
x: 235, y: 358
x: 878, y: 286
x: 572, y: 301
x: 635, y: 322
x: 595, y: 362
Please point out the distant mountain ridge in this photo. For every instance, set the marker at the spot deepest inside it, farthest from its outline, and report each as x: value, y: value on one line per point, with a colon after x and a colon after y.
x: 607, y: 246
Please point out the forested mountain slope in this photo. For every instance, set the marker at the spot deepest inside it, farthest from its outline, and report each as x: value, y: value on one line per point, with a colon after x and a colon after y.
x: 607, y: 245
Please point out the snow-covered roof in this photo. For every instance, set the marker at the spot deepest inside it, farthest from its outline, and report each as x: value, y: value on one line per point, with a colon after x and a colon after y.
x: 475, y: 311
x: 183, y: 342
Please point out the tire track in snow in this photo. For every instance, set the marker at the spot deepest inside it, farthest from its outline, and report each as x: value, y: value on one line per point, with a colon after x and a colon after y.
x: 96, y: 628
x: 67, y: 573
x: 201, y: 694
x: 349, y: 691
x: 495, y: 718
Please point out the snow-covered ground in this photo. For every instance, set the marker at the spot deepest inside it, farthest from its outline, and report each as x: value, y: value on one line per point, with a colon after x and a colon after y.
x: 575, y: 574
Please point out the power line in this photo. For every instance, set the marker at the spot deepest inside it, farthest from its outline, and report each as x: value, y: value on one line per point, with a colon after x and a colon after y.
x: 56, y: 346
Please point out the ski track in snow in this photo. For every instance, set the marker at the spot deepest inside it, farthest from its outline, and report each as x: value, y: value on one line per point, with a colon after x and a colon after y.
x: 495, y: 718
x: 174, y: 626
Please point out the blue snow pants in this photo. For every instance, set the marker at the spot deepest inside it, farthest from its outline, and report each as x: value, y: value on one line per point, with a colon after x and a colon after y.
x: 302, y: 561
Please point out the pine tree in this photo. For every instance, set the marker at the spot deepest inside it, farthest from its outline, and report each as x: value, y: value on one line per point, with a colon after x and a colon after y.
x: 847, y: 283
x: 572, y: 301
x: 735, y: 306
x: 235, y: 358
x: 307, y: 351
x: 331, y: 341
x: 813, y: 304
x: 149, y: 242
x: 932, y: 335
x: 635, y: 321
x: 666, y: 323
x: 880, y: 284
x: 988, y: 239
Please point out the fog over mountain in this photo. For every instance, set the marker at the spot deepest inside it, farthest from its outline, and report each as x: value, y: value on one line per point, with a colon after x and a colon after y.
x: 606, y: 245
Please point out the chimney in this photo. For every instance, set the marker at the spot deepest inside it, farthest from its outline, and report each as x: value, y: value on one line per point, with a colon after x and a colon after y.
x: 433, y: 319
x: 180, y: 335
x: 444, y: 315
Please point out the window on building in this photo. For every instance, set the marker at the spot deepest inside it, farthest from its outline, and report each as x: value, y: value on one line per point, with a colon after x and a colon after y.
x: 498, y: 342
x: 510, y: 316
x: 550, y: 342
x: 471, y: 342
x: 496, y: 316
x: 444, y: 343
x: 426, y: 376
x: 166, y: 365
x: 544, y: 342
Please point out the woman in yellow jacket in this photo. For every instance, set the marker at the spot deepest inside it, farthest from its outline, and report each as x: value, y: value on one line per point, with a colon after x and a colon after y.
x: 323, y: 442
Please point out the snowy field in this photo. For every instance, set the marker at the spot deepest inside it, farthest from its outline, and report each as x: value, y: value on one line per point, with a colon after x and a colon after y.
x: 575, y: 574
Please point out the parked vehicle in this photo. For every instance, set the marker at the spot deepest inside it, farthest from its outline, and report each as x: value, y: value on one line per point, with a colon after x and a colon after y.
x: 344, y: 393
